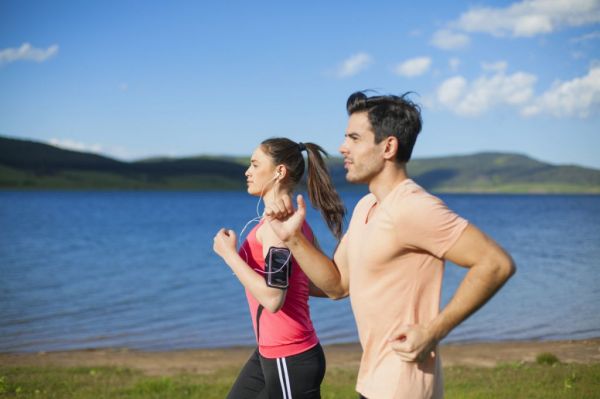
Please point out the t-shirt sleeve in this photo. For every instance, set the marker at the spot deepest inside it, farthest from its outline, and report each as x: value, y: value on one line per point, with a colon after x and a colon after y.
x: 426, y: 223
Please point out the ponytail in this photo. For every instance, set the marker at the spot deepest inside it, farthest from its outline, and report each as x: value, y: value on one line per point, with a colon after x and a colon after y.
x: 321, y: 192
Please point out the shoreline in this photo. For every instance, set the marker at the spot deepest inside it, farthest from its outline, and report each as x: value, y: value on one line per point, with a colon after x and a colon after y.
x: 204, y: 361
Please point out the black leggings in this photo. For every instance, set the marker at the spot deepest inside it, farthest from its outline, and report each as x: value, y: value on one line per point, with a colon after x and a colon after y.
x: 293, y: 377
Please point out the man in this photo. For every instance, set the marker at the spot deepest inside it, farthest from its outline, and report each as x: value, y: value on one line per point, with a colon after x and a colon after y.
x: 390, y: 261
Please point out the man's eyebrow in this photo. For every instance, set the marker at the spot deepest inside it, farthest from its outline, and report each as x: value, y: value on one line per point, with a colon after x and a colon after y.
x: 352, y: 135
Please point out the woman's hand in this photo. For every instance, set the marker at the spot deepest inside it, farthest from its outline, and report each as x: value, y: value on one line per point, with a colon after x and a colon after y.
x: 225, y: 243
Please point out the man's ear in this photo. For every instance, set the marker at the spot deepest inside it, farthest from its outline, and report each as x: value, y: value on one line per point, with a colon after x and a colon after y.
x: 391, y: 148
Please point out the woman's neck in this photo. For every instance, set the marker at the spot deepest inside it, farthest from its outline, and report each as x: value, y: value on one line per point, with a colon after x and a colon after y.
x: 274, y: 194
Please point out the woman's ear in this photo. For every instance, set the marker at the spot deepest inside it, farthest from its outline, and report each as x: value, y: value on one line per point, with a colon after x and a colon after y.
x: 280, y: 172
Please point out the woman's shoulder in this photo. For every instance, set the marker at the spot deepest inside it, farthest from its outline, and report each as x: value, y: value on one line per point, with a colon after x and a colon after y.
x: 254, y: 235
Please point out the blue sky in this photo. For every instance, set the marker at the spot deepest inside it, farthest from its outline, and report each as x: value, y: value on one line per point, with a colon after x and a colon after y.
x: 133, y: 79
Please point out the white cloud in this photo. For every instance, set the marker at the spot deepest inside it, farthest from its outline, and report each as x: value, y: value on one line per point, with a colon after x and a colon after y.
x: 354, y: 65
x: 446, y: 39
x: 451, y: 90
x: 454, y: 63
x: 474, y: 98
x: 529, y: 18
x: 499, y: 66
x: 413, y: 67
x: 578, y: 97
x: 111, y: 151
x: 27, y: 53
x: 587, y: 37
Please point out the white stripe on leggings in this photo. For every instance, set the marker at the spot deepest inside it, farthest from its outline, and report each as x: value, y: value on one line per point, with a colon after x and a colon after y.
x: 281, y: 378
x: 287, y: 378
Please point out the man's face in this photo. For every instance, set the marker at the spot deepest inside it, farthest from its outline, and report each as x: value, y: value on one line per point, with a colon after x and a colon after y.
x: 363, y: 159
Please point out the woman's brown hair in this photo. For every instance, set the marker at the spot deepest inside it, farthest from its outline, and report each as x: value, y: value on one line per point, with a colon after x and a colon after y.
x: 321, y: 192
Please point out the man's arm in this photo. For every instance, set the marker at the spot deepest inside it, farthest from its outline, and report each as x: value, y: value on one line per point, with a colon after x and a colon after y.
x: 329, y: 275
x: 489, y: 268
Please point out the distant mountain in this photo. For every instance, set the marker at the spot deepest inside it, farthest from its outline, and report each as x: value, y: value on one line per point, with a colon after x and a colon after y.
x: 29, y: 164
x: 501, y: 172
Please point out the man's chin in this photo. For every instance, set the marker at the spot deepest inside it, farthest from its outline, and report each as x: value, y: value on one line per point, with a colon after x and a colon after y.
x: 354, y: 179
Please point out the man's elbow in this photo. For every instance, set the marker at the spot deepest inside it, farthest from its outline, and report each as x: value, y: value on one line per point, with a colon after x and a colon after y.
x: 505, y: 267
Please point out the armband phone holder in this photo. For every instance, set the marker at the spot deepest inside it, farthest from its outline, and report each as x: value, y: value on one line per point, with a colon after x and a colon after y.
x: 278, y: 267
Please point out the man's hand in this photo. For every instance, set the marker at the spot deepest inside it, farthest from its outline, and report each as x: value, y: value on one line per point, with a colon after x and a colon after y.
x: 413, y: 343
x: 285, y: 221
x: 225, y: 243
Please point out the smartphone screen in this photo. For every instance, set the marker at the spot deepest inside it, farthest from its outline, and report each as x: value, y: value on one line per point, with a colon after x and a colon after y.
x: 278, y: 267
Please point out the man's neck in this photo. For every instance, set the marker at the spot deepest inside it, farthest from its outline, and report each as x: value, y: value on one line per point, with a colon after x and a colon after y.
x: 385, y: 181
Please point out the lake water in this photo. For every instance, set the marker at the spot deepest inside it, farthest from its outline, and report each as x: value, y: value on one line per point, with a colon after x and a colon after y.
x: 136, y: 269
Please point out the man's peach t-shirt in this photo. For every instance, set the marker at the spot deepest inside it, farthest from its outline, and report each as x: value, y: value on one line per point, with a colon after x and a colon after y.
x: 394, y: 254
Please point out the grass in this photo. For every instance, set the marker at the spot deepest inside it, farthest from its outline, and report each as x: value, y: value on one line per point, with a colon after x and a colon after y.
x: 524, y: 380
x: 511, y: 380
x: 546, y: 358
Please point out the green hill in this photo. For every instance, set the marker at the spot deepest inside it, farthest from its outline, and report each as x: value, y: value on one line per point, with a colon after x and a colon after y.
x: 28, y: 164
x: 501, y: 172
x: 33, y: 165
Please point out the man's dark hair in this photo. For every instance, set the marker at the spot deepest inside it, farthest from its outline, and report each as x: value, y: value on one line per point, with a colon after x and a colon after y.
x: 390, y: 116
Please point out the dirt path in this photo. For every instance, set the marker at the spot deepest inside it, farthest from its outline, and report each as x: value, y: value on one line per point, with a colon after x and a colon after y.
x: 346, y: 355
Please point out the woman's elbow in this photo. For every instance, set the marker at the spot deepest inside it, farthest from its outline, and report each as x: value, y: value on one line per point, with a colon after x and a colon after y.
x: 274, y: 304
x: 338, y: 293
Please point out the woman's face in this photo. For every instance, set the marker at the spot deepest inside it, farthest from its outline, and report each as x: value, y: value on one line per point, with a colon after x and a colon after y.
x: 261, y: 174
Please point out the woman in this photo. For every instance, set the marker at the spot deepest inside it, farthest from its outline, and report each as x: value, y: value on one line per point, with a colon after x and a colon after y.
x: 289, y: 361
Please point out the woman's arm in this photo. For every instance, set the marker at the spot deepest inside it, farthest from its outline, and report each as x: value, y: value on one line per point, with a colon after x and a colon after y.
x: 225, y: 243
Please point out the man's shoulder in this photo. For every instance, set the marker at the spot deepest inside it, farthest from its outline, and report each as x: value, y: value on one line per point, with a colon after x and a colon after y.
x: 408, y: 190
x: 411, y: 200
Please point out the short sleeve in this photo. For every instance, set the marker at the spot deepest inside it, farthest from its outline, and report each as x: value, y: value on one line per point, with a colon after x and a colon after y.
x: 424, y: 222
